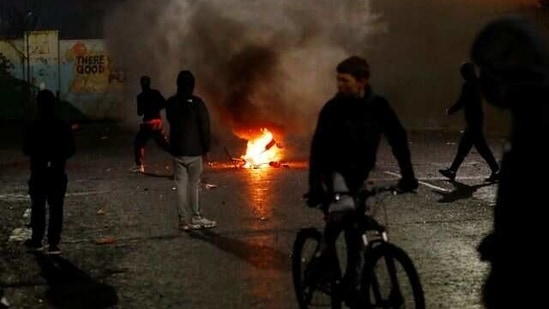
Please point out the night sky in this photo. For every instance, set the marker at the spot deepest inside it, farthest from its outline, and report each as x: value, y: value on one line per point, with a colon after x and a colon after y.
x: 75, y: 19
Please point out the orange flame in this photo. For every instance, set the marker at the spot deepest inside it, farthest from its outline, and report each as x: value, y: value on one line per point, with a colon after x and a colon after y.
x: 262, y: 150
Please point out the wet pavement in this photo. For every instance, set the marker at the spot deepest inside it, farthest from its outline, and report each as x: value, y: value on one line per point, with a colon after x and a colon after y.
x: 121, y: 247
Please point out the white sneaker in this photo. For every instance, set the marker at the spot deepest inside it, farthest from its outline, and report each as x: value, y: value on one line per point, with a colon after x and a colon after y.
x: 188, y: 226
x: 137, y: 169
x: 4, y: 303
x: 203, y: 222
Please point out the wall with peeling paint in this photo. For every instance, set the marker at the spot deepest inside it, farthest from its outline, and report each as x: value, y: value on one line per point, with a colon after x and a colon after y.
x: 79, y: 71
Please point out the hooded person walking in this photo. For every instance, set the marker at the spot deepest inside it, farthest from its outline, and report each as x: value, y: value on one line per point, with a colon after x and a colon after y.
x: 470, y: 101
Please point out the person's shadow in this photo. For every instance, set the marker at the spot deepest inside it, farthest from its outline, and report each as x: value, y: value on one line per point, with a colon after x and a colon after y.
x: 257, y: 255
x: 70, y: 287
x: 461, y: 191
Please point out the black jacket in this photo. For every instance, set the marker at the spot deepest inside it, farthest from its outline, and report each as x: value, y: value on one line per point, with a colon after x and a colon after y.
x: 347, y: 138
x: 149, y: 104
x: 48, y: 142
x: 189, y: 125
x: 470, y: 100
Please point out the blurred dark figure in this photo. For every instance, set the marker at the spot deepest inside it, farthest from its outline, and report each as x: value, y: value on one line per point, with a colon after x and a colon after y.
x: 190, y: 140
x: 149, y: 104
x: 49, y: 142
x: 343, y: 152
x: 470, y: 100
x: 513, y: 62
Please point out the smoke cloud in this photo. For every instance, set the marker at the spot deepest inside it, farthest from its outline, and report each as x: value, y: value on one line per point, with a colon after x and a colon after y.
x: 258, y: 63
x: 264, y: 63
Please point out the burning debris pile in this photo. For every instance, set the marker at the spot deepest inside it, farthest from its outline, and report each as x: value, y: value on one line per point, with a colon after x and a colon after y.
x: 261, y: 151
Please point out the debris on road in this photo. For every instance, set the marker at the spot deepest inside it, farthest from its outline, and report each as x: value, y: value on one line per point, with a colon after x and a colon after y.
x: 20, y: 234
x: 210, y: 186
x: 4, y: 303
x: 27, y: 213
x: 105, y: 240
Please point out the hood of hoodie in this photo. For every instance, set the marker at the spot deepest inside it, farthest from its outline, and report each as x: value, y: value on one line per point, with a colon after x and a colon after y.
x: 185, y: 83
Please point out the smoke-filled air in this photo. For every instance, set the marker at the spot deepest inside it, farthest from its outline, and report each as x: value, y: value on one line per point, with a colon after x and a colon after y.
x: 258, y: 63
x: 266, y: 63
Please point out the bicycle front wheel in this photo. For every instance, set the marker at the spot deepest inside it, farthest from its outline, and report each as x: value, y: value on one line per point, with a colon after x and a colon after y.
x: 390, y: 279
x: 310, y: 292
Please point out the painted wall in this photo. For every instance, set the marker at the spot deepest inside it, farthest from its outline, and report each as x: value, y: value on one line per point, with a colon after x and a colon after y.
x: 80, y: 71
x: 88, y: 78
x: 12, y: 52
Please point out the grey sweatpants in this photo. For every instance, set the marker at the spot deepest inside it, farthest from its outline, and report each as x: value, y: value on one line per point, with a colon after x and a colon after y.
x: 187, y: 172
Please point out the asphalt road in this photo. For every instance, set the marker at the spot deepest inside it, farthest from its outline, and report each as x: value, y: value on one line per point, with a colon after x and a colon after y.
x: 245, y: 261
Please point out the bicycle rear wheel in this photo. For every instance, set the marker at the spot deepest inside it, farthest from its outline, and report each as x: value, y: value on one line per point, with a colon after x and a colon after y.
x: 390, y: 279
x: 311, y: 293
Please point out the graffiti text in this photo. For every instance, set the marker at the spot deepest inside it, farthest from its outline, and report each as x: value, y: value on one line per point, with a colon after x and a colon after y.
x: 90, y: 64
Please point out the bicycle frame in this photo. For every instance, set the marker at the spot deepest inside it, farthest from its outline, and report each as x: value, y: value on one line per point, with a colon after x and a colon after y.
x: 367, y: 252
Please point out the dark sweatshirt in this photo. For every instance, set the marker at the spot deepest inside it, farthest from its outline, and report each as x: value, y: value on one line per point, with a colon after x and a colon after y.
x: 49, y: 142
x: 347, y: 139
x: 149, y: 104
x: 189, y: 125
x: 470, y: 100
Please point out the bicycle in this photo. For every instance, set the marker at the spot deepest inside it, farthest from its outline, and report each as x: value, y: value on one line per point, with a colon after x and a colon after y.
x: 377, y: 285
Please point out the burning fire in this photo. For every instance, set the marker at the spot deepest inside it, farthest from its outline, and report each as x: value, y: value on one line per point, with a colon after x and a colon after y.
x: 262, y: 150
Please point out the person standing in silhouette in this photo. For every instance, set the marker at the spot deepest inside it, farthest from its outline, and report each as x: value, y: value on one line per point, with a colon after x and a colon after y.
x: 470, y: 101
x: 514, y: 74
x: 48, y: 142
x: 190, y: 140
x: 149, y: 104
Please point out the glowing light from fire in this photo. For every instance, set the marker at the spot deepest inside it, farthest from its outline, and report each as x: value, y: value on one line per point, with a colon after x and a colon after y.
x: 262, y: 151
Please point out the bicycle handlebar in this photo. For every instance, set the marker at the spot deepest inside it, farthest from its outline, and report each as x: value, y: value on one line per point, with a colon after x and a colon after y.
x: 364, y: 193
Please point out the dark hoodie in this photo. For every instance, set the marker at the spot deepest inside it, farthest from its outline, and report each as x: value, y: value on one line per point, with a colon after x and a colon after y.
x: 347, y: 139
x: 189, y: 119
x: 48, y: 140
x: 470, y: 99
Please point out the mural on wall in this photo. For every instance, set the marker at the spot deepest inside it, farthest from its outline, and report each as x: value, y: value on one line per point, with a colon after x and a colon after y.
x: 80, y: 71
x: 92, y: 69
x: 42, y: 48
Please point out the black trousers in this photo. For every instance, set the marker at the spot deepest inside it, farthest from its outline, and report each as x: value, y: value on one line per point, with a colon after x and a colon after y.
x: 470, y: 138
x: 336, y: 224
x: 47, y: 187
x: 146, y: 132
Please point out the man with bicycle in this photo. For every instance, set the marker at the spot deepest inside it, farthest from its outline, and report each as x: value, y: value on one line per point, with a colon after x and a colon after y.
x: 344, y: 149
